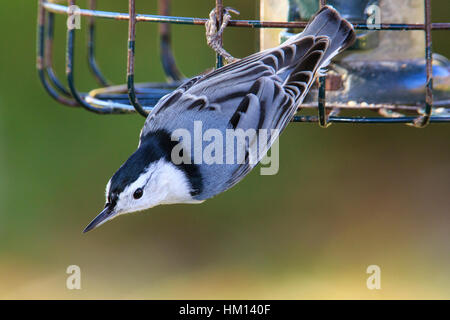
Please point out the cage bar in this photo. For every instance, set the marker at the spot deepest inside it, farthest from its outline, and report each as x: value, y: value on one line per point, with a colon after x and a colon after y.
x: 43, y: 58
x: 167, y: 58
x: 127, y: 99
x: 425, y: 119
x: 321, y: 99
x: 130, y: 65
x: 91, y: 49
x: 61, y: 9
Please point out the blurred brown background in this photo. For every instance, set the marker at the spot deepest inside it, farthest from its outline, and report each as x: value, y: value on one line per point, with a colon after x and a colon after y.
x: 345, y: 197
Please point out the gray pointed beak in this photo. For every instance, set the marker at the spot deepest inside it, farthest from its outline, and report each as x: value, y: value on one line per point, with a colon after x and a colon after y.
x: 107, y: 214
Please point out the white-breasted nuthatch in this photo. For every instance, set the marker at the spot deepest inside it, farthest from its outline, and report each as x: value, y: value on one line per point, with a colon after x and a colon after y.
x: 261, y: 91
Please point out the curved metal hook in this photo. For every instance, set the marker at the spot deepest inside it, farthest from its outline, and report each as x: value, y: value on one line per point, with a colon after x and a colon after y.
x: 49, y: 56
x: 167, y: 58
x: 91, y: 49
x: 130, y: 64
x: 42, y: 62
x: 70, y: 76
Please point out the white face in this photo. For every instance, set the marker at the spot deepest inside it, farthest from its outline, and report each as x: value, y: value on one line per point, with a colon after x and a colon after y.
x: 161, y: 183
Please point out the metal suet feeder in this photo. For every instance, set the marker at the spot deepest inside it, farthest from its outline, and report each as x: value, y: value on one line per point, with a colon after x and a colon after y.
x: 399, y: 87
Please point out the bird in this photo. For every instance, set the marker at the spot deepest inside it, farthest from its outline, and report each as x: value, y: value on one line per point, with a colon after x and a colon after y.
x: 260, y: 92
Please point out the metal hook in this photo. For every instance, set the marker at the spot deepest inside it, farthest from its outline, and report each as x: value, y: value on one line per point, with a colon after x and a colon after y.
x: 423, y: 120
x: 42, y: 64
x: 70, y: 76
x: 130, y: 64
x: 323, y: 119
x: 167, y: 59
x: 49, y: 56
x: 91, y: 49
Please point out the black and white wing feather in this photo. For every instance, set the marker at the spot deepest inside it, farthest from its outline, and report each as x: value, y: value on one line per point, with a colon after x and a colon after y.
x: 261, y: 91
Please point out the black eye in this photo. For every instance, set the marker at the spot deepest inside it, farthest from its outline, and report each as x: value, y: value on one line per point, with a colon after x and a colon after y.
x: 138, y: 193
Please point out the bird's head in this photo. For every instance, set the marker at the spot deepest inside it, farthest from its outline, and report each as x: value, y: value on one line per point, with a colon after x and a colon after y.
x: 148, y: 178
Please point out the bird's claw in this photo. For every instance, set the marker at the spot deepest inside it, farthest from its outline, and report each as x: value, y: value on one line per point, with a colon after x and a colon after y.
x: 214, y: 36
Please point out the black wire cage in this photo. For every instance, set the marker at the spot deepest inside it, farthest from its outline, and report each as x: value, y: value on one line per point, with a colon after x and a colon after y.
x: 141, y: 98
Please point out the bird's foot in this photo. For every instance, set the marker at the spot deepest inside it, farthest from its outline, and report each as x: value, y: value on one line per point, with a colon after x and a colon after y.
x: 214, y: 36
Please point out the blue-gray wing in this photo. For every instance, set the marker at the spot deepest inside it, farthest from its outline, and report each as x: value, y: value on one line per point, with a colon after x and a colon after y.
x: 261, y: 91
x: 257, y: 95
x: 265, y: 81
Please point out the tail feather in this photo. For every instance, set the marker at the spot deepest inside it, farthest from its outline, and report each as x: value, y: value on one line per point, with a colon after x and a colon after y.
x: 327, y: 22
x: 301, y: 77
x: 328, y: 35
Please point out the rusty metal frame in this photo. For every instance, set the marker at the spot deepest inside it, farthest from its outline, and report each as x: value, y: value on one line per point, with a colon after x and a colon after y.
x: 72, y: 97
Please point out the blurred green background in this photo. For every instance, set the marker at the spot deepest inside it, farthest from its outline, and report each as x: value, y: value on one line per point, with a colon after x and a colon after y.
x: 345, y: 198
